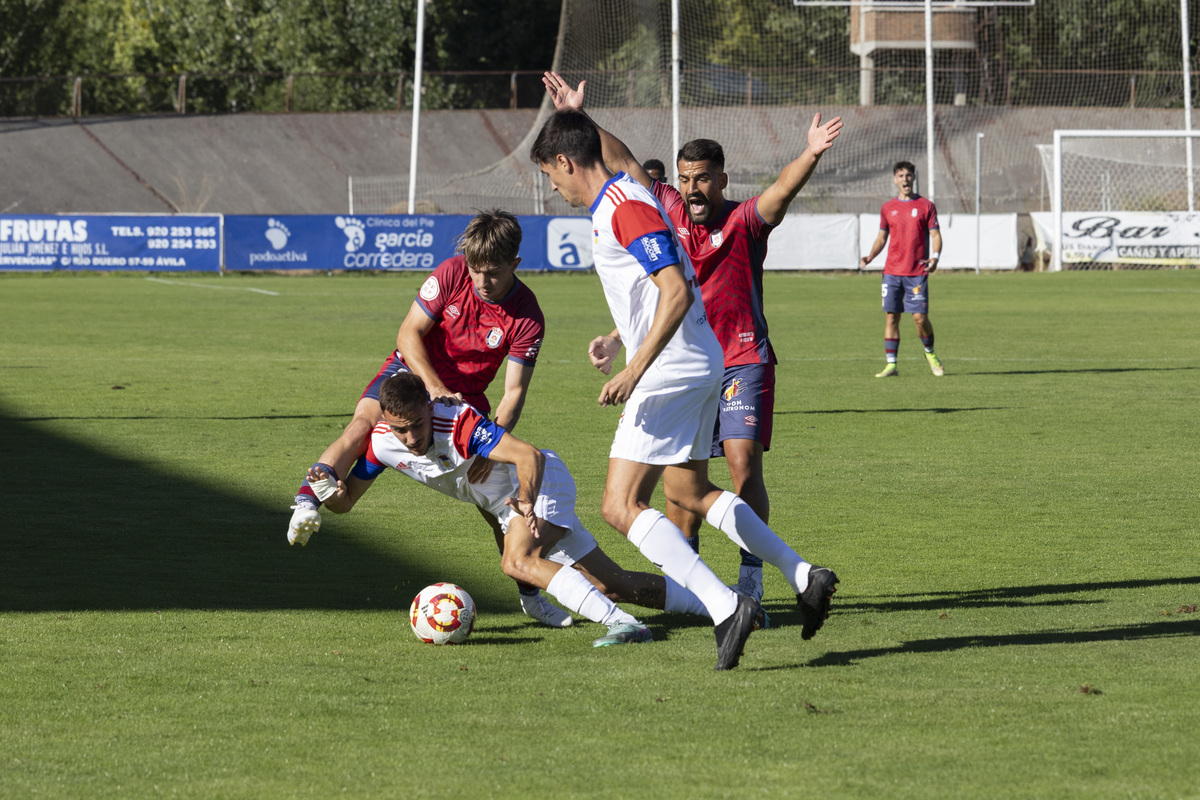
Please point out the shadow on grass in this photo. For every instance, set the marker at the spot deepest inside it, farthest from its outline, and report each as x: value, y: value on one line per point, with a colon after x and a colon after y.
x: 84, y: 530
x: 896, y: 410
x: 1006, y: 596
x: 1149, y: 630
x: 1084, y: 371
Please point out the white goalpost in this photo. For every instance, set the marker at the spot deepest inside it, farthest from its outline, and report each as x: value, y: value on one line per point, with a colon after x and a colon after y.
x: 1123, y: 196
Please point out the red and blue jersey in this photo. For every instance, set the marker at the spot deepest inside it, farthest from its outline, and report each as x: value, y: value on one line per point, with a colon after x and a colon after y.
x: 728, y: 255
x: 473, y: 336
x: 908, y: 223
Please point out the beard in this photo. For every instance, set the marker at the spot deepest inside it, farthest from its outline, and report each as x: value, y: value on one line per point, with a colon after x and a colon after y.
x: 704, y: 213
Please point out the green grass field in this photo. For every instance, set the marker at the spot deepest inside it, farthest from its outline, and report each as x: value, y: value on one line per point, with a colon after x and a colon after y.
x: 1017, y: 544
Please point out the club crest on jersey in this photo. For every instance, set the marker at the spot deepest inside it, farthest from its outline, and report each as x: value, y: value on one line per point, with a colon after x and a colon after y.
x: 914, y: 213
x: 452, y: 311
x: 716, y: 238
x: 734, y: 389
x: 444, y: 460
x: 430, y: 288
x: 494, y: 337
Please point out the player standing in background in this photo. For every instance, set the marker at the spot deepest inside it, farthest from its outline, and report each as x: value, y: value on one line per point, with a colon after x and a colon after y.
x: 669, y: 387
x: 472, y: 314
x: 529, y: 491
x: 653, y: 167
x: 908, y: 267
x: 726, y: 241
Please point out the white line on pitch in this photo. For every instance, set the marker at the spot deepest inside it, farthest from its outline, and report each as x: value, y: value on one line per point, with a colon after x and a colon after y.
x: 211, y: 286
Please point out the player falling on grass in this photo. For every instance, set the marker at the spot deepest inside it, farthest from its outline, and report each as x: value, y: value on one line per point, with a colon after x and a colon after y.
x: 471, y: 315
x: 529, y: 491
x: 726, y: 241
x: 909, y: 264
x: 669, y: 387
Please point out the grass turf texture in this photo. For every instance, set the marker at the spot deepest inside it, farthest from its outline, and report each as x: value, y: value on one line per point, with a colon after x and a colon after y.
x: 1017, y: 545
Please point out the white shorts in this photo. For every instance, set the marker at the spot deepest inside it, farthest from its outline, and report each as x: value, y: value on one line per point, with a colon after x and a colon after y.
x: 556, y: 504
x: 668, y: 425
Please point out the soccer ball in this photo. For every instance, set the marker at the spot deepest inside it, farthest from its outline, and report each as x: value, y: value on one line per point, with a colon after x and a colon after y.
x: 442, y: 614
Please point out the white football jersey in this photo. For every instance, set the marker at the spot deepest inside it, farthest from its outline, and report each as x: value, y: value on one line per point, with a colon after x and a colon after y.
x: 632, y: 238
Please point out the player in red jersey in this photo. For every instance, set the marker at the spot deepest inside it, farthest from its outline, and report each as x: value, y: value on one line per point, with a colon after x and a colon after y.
x: 471, y: 315
x: 726, y: 241
x: 913, y: 220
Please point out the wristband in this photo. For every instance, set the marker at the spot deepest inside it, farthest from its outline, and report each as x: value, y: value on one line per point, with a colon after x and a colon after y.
x: 935, y: 255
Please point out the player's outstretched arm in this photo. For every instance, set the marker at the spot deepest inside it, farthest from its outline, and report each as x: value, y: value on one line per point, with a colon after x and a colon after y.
x: 617, y: 157
x: 876, y: 249
x: 347, y: 493
x: 410, y: 341
x: 531, y: 465
x: 773, y: 203
x: 674, y: 300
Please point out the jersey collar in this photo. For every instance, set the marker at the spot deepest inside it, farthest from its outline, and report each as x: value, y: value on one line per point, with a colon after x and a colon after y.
x: 604, y: 189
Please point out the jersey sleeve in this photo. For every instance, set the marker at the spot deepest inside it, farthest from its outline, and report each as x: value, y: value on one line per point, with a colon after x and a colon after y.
x: 368, y: 467
x: 933, y: 222
x: 755, y: 225
x: 434, y: 292
x: 528, y: 334
x: 883, y: 222
x: 642, y: 231
x: 474, y: 434
x: 670, y: 198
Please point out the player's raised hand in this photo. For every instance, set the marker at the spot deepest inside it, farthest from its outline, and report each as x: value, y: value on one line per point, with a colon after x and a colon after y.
x: 820, y: 137
x: 565, y: 98
x: 601, y: 352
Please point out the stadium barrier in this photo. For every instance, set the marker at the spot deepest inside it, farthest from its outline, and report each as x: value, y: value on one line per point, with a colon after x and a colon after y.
x: 391, y: 242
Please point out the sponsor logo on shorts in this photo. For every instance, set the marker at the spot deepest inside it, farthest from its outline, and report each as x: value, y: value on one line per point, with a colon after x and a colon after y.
x: 430, y: 289
x: 734, y: 389
x: 916, y: 290
x: 494, y: 337
x: 751, y: 419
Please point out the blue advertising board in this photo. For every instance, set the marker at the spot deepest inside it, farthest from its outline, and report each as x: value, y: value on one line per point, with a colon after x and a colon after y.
x: 146, y: 242
x: 340, y: 242
x: 364, y: 241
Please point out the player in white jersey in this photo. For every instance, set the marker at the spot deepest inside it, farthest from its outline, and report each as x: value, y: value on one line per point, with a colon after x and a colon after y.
x: 669, y: 386
x: 529, y: 491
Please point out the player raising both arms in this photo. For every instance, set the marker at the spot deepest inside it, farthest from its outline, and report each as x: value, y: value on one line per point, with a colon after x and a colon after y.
x: 472, y: 314
x: 908, y: 267
x: 726, y: 241
x: 529, y: 491
x: 669, y: 388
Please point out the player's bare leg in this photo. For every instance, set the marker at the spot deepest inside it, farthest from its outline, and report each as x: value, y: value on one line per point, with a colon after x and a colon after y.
x: 626, y: 507
x: 532, y: 602
x: 524, y: 560
x: 891, y: 343
x: 688, y: 486
x: 925, y: 331
x: 744, y: 459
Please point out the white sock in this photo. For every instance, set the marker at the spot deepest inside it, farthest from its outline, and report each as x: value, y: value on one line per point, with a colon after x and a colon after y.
x: 682, y: 601
x: 664, y: 544
x: 577, y: 593
x: 739, y: 522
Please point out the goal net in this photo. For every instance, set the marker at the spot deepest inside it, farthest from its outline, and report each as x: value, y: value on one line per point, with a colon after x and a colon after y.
x: 1122, y: 198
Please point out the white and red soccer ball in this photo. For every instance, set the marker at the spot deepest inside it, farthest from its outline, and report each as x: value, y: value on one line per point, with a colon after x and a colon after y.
x: 442, y: 613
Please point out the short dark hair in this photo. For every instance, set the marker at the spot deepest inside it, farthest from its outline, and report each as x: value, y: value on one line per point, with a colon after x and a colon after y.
x: 703, y: 150
x: 403, y: 395
x: 908, y: 165
x: 570, y: 133
x: 654, y: 163
x: 491, y: 237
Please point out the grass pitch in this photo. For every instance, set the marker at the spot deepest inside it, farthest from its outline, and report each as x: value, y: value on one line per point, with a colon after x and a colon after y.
x: 1017, y: 543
